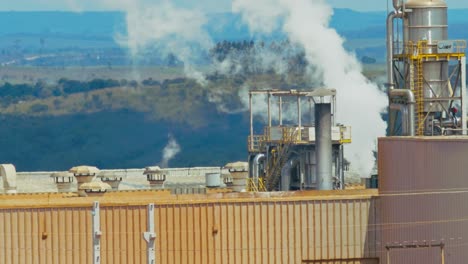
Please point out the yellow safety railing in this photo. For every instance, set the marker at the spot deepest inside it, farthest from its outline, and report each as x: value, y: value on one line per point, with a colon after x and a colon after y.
x: 423, y: 50
x: 256, y: 185
x: 255, y: 143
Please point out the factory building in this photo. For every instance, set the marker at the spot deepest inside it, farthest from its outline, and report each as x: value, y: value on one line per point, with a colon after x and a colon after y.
x: 288, y: 203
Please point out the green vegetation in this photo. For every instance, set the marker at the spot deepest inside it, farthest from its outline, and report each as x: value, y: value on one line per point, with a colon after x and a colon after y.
x: 114, y: 123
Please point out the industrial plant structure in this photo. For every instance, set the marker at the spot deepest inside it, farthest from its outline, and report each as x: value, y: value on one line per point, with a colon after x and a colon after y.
x: 298, y: 155
x: 419, y: 214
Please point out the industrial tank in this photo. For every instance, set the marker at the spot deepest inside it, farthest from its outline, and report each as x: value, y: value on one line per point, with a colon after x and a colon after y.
x: 427, y: 21
x: 423, y: 90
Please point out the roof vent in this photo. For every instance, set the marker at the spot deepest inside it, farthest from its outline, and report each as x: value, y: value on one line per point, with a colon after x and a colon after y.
x: 63, y: 180
x: 155, y: 176
x: 113, y: 178
x: 96, y: 188
x: 239, y: 172
x: 83, y: 174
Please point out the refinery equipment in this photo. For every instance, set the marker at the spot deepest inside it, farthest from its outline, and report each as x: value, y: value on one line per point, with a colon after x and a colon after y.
x: 293, y: 155
x: 426, y: 71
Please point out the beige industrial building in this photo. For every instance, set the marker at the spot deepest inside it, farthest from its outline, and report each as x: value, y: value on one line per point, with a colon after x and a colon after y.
x: 289, y: 203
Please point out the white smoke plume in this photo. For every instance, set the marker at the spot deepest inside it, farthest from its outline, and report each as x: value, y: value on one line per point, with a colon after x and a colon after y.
x: 171, y: 149
x: 359, y: 102
x: 161, y: 26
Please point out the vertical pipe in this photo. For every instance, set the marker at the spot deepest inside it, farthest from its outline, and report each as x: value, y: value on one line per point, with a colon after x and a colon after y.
x: 251, y: 121
x: 464, y: 117
x: 342, y: 167
x: 256, y: 167
x: 390, y: 79
x: 269, y: 109
x: 280, y: 110
x: 96, y: 233
x: 323, y: 146
x: 150, y: 236
x: 299, y: 118
x: 310, y: 113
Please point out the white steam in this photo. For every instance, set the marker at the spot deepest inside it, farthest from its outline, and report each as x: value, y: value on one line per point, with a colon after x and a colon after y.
x: 170, y: 151
x: 359, y: 102
x: 165, y: 28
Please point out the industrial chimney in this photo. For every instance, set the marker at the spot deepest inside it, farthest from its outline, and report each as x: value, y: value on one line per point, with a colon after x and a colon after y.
x: 323, y: 100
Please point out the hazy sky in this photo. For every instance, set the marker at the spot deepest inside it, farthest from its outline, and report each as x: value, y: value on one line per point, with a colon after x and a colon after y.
x: 208, y: 5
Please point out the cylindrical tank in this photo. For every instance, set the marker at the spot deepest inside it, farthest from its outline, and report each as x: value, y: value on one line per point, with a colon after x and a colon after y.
x: 426, y: 20
x: 213, y: 180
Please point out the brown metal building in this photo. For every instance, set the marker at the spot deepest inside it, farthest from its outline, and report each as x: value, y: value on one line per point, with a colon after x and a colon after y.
x: 423, y: 197
x: 304, y: 227
x: 419, y: 215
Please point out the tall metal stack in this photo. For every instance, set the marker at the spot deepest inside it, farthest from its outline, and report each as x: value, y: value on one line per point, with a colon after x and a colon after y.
x: 426, y: 71
x: 323, y: 127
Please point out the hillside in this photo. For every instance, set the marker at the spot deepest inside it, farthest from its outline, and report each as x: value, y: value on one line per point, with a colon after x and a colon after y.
x: 55, y: 127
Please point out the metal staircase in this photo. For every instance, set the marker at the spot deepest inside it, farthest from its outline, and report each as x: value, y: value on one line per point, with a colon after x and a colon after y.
x: 274, y: 172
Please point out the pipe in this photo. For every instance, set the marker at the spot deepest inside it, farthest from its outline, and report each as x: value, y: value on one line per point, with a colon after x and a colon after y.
x: 251, y: 123
x: 464, y: 119
x: 342, y: 178
x: 286, y: 173
x: 410, y: 103
x: 390, y: 18
x: 396, y: 4
x: 323, y: 142
x: 404, y: 117
x: 256, y: 167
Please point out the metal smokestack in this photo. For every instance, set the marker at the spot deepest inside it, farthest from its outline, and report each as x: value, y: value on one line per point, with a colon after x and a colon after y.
x: 323, y: 143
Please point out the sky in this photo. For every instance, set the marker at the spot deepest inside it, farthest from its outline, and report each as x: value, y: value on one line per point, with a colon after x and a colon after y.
x: 206, y: 5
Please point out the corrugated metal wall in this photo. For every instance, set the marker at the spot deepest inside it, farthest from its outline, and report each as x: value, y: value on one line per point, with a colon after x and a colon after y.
x: 289, y: 230
x: 423, y: 200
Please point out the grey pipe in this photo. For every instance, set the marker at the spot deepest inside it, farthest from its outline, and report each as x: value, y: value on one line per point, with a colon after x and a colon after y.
x: 404, y: 117
x: 286, y: 173
x: 390, y: 18
x: 410, y: 103
x: 323, y: 144
x: 396, y: 5
x: 256, y: 167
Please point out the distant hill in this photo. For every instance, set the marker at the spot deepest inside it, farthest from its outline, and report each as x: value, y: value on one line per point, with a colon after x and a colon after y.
x: 221, y: 25
x: 33, y: 32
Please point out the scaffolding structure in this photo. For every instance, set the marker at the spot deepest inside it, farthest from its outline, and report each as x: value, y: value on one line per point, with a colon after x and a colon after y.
x: 280, y: 141
x: 410, y: 73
